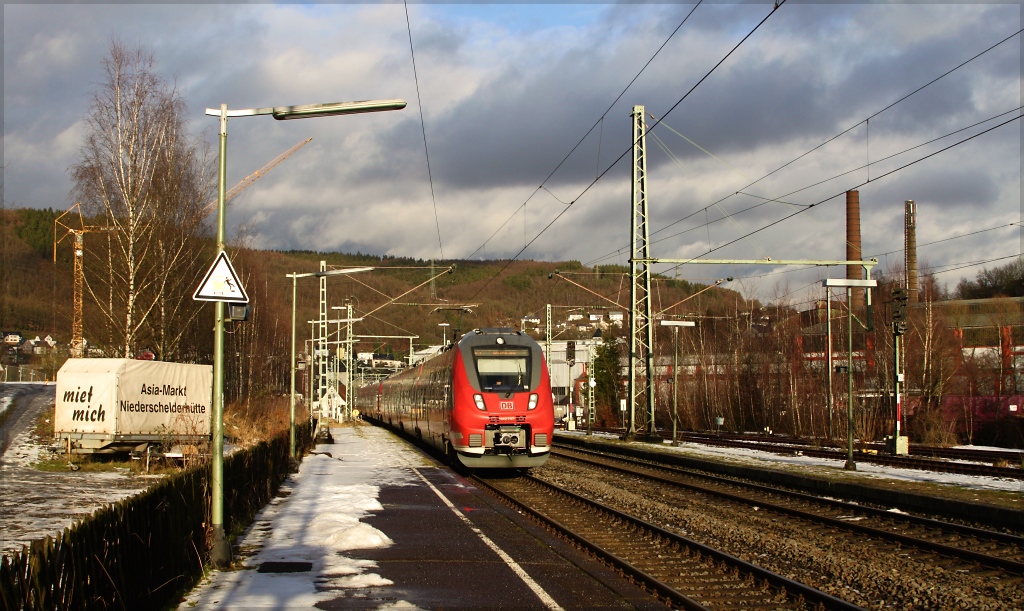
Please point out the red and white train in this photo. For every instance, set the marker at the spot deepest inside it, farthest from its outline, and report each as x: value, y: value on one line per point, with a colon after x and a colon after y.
x: 484, y: 401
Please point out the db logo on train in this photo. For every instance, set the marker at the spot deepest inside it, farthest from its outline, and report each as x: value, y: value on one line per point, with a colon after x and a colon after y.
x: 505, y: 405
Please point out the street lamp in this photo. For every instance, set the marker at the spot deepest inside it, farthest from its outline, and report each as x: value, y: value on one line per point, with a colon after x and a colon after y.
x: 850, y: 284
x: 675, y: 324
x: 220, y: 553
x: 444, y: 333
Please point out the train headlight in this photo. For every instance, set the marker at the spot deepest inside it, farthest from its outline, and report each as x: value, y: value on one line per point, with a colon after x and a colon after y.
x: 533, y: 401
x: 479, y: 400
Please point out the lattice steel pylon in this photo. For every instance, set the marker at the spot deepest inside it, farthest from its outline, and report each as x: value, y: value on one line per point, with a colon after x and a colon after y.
x: 322, y: 354
x: 547, y: 338
x: 641, y: 329
x: 349, y: 362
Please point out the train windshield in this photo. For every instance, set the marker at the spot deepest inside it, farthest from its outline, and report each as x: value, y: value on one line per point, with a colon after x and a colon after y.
x: 503, y: 369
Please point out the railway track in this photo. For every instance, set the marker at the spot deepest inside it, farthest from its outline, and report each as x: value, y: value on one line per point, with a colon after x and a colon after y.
x: 969, y: 548
x: 990, y: 456
x: 679, y: 571
x: 944, y: 460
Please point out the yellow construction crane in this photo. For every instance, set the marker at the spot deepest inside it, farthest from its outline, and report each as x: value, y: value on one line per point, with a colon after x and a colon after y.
x: 77, y: 345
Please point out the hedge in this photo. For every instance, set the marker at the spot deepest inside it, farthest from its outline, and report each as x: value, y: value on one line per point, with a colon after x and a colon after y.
x: 144, y: 551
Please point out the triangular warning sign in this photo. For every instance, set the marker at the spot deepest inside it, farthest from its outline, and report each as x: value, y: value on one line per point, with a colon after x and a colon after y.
x: 221, y: 283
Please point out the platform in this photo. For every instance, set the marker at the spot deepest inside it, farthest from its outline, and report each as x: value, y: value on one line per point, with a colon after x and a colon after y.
x: 370, y: 522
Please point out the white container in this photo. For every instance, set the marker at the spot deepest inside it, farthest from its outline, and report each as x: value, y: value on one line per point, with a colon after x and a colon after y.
x: 109, y: 405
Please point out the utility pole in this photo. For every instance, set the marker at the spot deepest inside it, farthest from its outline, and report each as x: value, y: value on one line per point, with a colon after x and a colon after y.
x: 641, y: 331
x: 433, y: 289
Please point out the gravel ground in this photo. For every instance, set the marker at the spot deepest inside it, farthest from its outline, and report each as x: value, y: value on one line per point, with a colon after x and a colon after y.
x: 874, y: 575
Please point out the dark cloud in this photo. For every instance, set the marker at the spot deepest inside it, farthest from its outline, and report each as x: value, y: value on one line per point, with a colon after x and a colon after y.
x: 505, y: 103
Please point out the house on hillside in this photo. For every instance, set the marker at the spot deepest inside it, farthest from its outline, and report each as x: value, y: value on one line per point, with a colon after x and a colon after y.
x: 13, y: 338
x: 530, y: 321
x: 38, y: 345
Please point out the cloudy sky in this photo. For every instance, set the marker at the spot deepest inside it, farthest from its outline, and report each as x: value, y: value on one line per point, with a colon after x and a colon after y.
x: 522, y: 114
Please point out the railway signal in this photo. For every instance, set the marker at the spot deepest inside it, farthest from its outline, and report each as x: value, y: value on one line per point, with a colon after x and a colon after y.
x: 897, y: 443
x: 899, y: 311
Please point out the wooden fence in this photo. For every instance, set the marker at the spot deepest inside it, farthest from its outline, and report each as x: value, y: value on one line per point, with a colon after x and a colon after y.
x: 143, y: 551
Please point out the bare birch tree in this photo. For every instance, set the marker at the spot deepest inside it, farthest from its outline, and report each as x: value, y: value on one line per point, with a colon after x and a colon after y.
x: 141, y: 176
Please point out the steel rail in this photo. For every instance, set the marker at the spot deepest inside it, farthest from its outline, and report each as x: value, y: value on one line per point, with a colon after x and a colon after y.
x: 794, y: 590
x: 1005, y: 564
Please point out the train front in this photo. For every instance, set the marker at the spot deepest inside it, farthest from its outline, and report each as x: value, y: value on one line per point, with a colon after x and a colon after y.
x: 502, y: 415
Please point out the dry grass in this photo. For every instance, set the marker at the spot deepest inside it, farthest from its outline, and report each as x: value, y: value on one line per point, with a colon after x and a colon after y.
x: 42, y: 430
x: 249, y: 422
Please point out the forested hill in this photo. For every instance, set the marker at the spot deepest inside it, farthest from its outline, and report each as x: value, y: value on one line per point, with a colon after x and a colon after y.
x: 38, y: 293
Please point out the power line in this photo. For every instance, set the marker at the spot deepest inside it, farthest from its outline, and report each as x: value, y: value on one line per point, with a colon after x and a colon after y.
x: 626, y: 152
x: 903, y: 167
x: 956, y: 237
x: 423, y: 128
x: 600, y: 121
x: 851, y: 128
x: 779, y: 198
x: 833, y: 138
x: 970, y: 264
x: 883, y: 254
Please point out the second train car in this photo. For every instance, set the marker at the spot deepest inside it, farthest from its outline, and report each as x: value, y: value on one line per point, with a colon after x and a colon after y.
x: 485, y: 401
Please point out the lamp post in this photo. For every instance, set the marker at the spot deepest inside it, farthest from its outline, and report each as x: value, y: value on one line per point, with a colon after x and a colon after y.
x: 220, y: 553
x: 444, y: 333
x: 675, y: 324
x: 850, y: 284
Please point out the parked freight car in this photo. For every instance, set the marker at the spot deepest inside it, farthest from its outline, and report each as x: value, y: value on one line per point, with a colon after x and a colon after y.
x: 485, y: 401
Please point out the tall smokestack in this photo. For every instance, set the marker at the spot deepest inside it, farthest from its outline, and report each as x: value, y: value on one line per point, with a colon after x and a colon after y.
x: 910, y: 249
x: 853, y: 253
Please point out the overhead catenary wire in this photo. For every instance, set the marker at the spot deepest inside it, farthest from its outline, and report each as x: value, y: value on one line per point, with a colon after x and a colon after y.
x: 882, y: 254
x: 600, y: 122
x: 890, y: 105
x: 970, y: 264
x: 827, y: 199
x: 766, y: 201
x: 423, y: 128
x: 627, y: 151
x: 835, y: 137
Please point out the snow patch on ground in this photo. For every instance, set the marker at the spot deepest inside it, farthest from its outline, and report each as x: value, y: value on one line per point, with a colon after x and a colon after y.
x: 5, y: 400
x: 34, y: 503
x: 759, y: 458
x: 316, y: 518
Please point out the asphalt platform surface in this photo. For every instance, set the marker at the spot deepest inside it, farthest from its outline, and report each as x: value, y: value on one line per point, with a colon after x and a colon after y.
x: 371, y: 522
